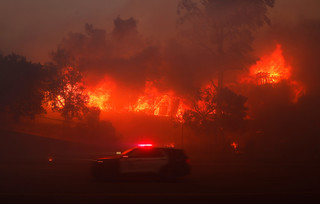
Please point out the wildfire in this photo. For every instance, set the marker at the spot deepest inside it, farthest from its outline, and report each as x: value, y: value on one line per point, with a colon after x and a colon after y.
x: 271, y: 68
x: 99, y: 98
x: 151, y: 102
x: 157, y: 103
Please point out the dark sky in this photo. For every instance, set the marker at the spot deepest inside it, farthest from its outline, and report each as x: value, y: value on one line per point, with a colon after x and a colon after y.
x: 35, y: 27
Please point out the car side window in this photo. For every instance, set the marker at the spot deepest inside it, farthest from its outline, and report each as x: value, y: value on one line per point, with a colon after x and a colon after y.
x: 146, y: 153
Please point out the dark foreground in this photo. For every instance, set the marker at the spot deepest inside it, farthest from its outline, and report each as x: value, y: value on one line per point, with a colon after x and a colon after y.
x: 69, y: 181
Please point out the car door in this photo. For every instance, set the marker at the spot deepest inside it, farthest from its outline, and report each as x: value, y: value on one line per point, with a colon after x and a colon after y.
x: 154, y: 161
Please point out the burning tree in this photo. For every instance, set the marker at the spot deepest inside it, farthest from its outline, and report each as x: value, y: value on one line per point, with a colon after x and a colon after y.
x: 66, y: 92
x: 203, y: 108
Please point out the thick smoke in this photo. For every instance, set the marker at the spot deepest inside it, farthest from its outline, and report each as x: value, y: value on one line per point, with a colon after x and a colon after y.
x: 301, y: 43
x: 128, y: 58
x: 122, y: 54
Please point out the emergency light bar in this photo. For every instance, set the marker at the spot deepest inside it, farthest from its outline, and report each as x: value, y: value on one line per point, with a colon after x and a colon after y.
x: 145, y: 145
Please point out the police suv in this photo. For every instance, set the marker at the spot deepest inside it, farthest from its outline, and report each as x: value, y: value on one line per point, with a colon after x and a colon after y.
x: 167, y: 163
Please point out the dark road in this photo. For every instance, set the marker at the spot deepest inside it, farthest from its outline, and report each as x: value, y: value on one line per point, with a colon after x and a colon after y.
x: 70, y: 181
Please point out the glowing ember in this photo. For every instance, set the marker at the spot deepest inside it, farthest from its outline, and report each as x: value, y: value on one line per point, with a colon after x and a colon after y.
x: 235, y: 147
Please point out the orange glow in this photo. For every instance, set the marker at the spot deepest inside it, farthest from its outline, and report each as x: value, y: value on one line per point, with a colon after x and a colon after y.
x: 50, y: 159
x: 299, y: 90
x: 180, y: 112
x: 271, y: 68
x: 171, y: 145
x: 99, y: 95
x: 154, y: 102
x: 99, y: 98
x: 234, y: 145
x: 151, y: 102
x: 143, y: 105
x: 61, y: 101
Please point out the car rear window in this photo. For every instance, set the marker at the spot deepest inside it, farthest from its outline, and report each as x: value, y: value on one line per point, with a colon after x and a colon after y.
x: 176, y: 154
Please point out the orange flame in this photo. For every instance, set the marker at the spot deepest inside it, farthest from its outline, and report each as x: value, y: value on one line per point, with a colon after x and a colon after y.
x: 271, y: 68
x: 99, y: 95
x: 151, y: 102
x: 99, y: 98
x: 157, y: 103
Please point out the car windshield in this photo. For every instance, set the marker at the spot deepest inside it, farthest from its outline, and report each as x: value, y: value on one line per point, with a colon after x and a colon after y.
x: 127, y: 151
x: 143, y: 152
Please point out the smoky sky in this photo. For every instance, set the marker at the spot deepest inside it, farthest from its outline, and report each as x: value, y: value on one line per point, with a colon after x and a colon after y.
x: 34, y: 27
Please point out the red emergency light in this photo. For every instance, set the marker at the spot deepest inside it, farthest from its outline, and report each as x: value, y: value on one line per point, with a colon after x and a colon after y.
x: 145, y: 145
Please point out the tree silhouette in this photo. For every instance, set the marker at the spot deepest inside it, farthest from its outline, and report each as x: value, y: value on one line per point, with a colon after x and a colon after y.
x: 204, y: 104
x: 203, y: 107
x: 202, y: 116
x: 21, y: 82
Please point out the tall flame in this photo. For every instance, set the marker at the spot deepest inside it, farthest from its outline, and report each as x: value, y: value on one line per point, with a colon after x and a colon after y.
x: 271, y: 68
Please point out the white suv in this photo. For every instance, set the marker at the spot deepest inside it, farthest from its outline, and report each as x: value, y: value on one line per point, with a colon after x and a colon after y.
x: 168, y: 163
